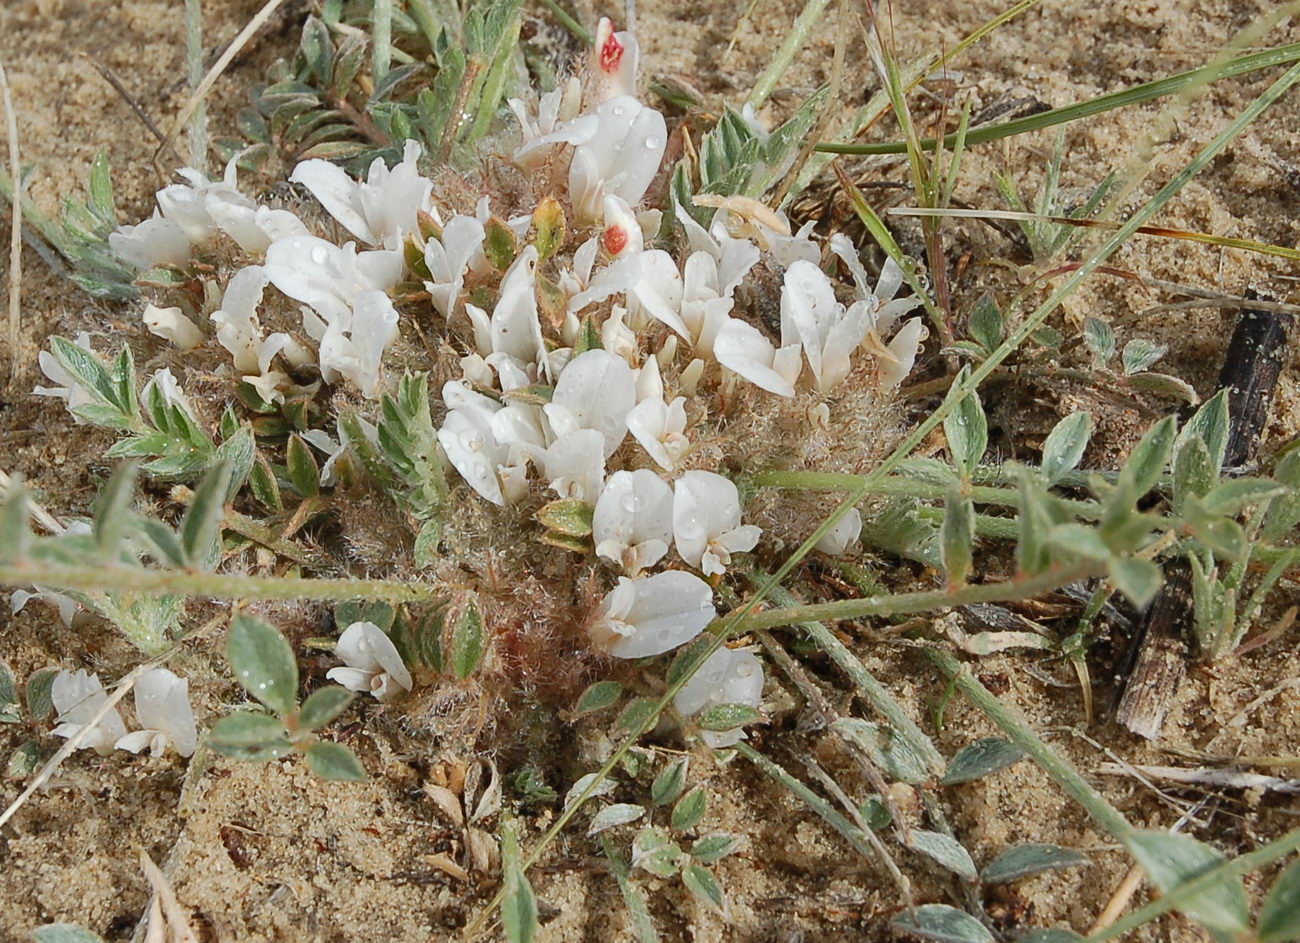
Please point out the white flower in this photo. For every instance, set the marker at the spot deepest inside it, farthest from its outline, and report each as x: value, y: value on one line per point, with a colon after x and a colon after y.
x: 240, y: 332
x: 380, y: 210
x: 334, y: 450
x: 448, y: 259
x: 489, y: 444
x: 728, y: 676
x: 742, y: 348
x: 372, y: 660
x: 903, y: 349
x: 617, y: 152
x: 153, y: 241
x: 172, y: 325
x: 887, y: 308
x: 612, y: 64
x: 633, y: 521
x: 845, y: 532
x: 706, y: 521
x: 162, y: 706
x: 66, y: 605
x: 652, y: 615
x: 513, y: 329
x: 574, y: 464
x: 622, y: 235
x: 68, y: 388
x: 77, y: 698
x: 659, y: 427
x: 354, y: 347
x: 554, y: 109
x: 828, y: 332
x: 596, y: 390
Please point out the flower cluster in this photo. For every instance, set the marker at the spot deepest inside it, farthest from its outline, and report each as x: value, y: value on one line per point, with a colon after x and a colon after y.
x: 583, y: 371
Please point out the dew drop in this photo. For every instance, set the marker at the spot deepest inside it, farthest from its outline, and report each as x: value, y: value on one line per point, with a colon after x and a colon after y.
x: 320, y: 255
x: 618, y: 111
x: 652, y: 144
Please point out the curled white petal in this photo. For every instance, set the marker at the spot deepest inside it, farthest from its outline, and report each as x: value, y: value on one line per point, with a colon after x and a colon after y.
x: 728, y: 676
x: 172, y: 325
x: 742, y: 348
x: 845, y: 533
x: 78, y: 697
x: 372, y: 661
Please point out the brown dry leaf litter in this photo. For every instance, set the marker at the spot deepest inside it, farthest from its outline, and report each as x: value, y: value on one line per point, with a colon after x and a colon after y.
x: 270, y: 853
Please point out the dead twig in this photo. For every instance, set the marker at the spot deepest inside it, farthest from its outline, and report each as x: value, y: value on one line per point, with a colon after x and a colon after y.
x: 16, y: 233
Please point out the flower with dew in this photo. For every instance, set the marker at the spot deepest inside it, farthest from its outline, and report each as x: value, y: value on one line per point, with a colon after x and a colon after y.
x: 844, y: 534
x: 372, y: 662
x: 379, y: 210
x: 173, y: 326
x: 194, y: 212
x: 489, y: 444
x: 898, y: 358
x: 596, y: 390
x: 574, y: 464
x: 513, y: 330
x: 658, y: 426
x: 554, y: 109
x: 633, y: 521
x: 617, y: 151
x: 652, y: 615
x: 728, y: 676
x: 162, y: 706
x: 350, y: 314
x: 78, y: 696
x: 706, y: 521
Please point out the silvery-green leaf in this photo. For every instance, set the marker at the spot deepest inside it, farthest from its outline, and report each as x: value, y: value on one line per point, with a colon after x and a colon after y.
x: 599, y: 696
x: 654, y: 851
x: 23, y: 761
x: 1136, y: 578
x: 690, y: 809
x: 728, y: 716
x: 875, y: 813
x: 1211, y: 424
x: 986, y: 323
x: 942, y: 923
x: 1148, y: 459
x: 1065, y: 445
x: 323, y: 706
x: 15, y: 531
x: 612, y: 816
x: 965, y: 426
x: 1236, y: 494
x: 304, y: 473
x: 1023, y: 860
x: 668, y: 785
x: 1165, y: 385
x: 39, y: 700
x: 239, y: 451
x: 263, y: 663
x: 605, y: 787
x: 701, y: 882
x: 112, y: 508
x: 980, y: 759
x: 957, y: 536
x: 638, y: 910
x: 200, y: 531
x: 9, y: 712
x: 1170, y: 860
x: 568, y: 516
x: 468, y: 644
x: 244, y: 729
x: 1279, y: 916
x: 518, y: 904
x: 334, y: 761
x: 65, y: 933
x: 944, y: 850
x: 1100, y: 339
x: 636, y: 715
x: 1050, y: 935
x: 1194, y: 474
x: 714, y: 847
x: 1077, y: 541
x: 1139, y: 354
x: 885, y: 748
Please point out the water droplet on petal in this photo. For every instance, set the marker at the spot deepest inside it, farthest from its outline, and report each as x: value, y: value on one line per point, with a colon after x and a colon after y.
x: 320, y: 255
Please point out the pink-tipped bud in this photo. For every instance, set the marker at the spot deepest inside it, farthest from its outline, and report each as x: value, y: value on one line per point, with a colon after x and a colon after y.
x: 609, y: 48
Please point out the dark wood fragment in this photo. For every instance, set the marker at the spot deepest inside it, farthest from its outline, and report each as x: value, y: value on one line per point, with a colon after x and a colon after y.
x: 1251, y: 366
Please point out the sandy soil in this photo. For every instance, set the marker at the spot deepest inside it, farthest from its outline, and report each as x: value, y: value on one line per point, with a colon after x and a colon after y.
x: 270, y: 853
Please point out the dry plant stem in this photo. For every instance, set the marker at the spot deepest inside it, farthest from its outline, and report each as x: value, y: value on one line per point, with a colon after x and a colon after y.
x: 1120, y: 899
x: 119, y: 692
x: 126, y: 96
x: 200, y: 93
x: 194, y: 62
x: 16, y: 233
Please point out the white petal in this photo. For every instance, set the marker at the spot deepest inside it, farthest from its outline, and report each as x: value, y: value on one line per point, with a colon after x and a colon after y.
x: 652, y: 615
x: 599, y: 390
x: 845, y: 532
x: 575, y: 465
x: 170, y: 324
x: 354, y: 679
x: 904, y: 346
x: 742, y: 348
x: 337, y: 192
x: 386, y: 655
x: 135, y: 741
